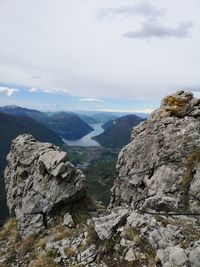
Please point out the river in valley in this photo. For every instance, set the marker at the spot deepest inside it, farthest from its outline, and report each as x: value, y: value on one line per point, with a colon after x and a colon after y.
x: 87, y: 139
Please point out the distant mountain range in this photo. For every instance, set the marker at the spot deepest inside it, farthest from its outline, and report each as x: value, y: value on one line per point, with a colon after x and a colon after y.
x: 52, y: 127
x: 68, y: 125
x: 117, y: 132
x: 15, y: 110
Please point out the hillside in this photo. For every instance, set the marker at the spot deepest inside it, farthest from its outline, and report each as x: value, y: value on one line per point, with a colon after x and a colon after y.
x: 68, y: 126
x: 10, y: 127
x: 117, y: 132
x: 20, y: 111
x: 87, y: 119
x: 102, y: 117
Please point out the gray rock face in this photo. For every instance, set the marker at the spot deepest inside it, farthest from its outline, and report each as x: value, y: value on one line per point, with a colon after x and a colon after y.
x: 39, y: 179
x: 105, y: 225
x: 159, y: 172
x: 68, y: 221
x: 160, y: 169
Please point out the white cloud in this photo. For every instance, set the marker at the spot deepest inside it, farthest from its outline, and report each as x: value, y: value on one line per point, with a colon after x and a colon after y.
x: 34, y: 90
x: 89, y: 57
x: 56, y: 91
x: 8, y: 91
x: 90, y: 100
x: 49, y: 91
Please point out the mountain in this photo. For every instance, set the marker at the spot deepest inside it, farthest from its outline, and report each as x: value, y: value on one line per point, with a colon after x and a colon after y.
x: 117, y: 132
x: 102, y: 117
x: 68, y: 125
x: 153, y: 215
x: 32, y: 113
x: 87, y: 119
x: 10, y: 127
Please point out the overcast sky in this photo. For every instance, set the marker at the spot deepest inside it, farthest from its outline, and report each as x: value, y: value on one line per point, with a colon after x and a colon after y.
x: 97, y: 54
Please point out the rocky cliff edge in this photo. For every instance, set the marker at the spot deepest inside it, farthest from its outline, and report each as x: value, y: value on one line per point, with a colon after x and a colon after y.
x: 153, y: 218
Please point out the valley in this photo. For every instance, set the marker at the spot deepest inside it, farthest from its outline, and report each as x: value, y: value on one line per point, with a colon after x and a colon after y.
x: 98, y: 164
x: 92, y: 142
x: 87, y: 139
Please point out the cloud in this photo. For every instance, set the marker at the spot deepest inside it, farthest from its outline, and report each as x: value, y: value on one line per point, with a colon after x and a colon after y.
x: 145, y: 9
x: 8, y: 91
x: 49, y: 91
x: 154, y: 29
x: 56, y: 91
x: 34, y: 90
x: 142, y: 110
x: 90, y: 100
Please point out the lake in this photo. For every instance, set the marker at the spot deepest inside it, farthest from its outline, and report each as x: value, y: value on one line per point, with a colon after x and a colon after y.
x: 87, y: 139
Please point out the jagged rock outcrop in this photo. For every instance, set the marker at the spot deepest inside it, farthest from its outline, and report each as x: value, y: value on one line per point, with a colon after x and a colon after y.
x: 152, y: 219
x: 160, y: 168
x: 39, y: 179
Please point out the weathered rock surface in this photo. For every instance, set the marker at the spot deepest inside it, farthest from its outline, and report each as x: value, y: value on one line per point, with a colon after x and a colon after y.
x: 105, y: 225
x: 68, y: 220
x: 147, y: 223
x: 39, y: 179
x: 160, y: 168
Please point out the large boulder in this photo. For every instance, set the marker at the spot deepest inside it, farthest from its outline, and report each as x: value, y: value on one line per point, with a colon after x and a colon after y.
x: 39, y: 179
x: 159, y: 170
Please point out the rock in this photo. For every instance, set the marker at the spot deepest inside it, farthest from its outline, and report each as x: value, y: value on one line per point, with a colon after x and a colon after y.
x: 195, y: 255
x: 156, y: 171
x: 88, y: 255
x: 130, y: 255
x: 68, y: 221
x: 146, y: 223
x: 39, y: 180
x: 105, y: 225
x: 178, y: 257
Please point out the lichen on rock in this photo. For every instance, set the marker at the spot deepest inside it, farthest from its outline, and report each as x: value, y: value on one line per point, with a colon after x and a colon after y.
x: 153, y: 168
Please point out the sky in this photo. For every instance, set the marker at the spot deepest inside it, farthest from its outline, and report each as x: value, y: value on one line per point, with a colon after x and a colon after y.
x: 105, y: 55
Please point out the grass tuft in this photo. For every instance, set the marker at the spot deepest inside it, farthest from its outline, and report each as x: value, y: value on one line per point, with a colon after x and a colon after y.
x: 10, y: 230
x: 43, y: 260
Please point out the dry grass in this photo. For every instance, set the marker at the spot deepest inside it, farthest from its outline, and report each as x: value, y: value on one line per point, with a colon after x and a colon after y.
x: 27, y: 244
x: 10, y: 230
x: 69, y: 251
x: 92, y: 236
x: 60, y: 232
x: 43, y: 260
x: 77, y: 265
x: 41, y: 244
x: 134, y: 235
x: 191, y: 161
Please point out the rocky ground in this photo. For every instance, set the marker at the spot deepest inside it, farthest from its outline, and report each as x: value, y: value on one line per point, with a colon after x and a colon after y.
x: 154, y: 214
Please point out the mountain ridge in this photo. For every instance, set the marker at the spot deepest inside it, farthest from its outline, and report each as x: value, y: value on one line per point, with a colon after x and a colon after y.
x: 117, y: 132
